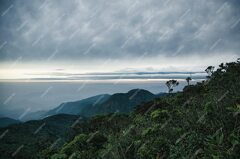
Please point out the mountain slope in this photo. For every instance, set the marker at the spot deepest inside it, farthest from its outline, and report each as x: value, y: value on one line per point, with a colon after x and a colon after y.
x: 38, y: 115
x: 4, y: 121
x: 104, y: 104
x: 38, y: 135
x: 119, y: 102
x: 35, y: 135
x: 76, y: 107
x: 203, y: 121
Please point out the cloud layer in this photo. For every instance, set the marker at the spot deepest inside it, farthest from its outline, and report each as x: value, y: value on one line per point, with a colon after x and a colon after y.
x: 100, y: 29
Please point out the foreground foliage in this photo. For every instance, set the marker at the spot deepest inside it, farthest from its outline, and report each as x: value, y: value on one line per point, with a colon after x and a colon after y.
x: 200, y: 122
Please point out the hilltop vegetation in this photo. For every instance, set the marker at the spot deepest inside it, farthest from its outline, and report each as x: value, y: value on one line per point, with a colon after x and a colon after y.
x: 34, y: 136
x: 5, y: 121
x: 56, y: 129
x: 105, y: 104
x: 200, y: 122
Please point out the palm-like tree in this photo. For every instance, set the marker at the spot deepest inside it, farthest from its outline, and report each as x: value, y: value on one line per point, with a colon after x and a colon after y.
x: 209, y: 71
x: 188, y: 79
x: 171, y: 84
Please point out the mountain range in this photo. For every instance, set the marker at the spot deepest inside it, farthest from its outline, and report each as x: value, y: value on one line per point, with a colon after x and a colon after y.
x: 202, y: 121
x: 35, y: 134
x: 96, y: 105
x: 99, y: 104
x: 53, y: 125
x: 5, y: 121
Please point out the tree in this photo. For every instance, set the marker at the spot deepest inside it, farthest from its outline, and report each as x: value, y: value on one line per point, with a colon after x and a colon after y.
x: 171, y: 84
x: 188, y: 79
x: 209, y: 71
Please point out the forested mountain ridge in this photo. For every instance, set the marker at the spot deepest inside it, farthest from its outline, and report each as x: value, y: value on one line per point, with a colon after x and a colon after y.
x: 76, y: 107
x: 120, y: 102
x: 5, y: 121
x: 99, y: 104
x: 104, y: 103
x: 34, y: 136
x: 200, y: 122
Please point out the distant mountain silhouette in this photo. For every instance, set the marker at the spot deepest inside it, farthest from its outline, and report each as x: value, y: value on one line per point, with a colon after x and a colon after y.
x: 76, y: 107
x: 119, y: 102
x: 5, y: 121
x: 103, y: 104
x: 36, y: 134
x: 100, y: 104
x: 207, y: 111
x: 34, y: 116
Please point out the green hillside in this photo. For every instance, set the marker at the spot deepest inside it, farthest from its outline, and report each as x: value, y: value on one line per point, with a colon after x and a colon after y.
x: 200, y: 122
x: 119, y: 102
x: 34, y: 136
x: 76, y: 107
x: 4, y: 121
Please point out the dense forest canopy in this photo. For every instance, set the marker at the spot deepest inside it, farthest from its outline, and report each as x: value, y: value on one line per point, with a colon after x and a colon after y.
x: 200, y: 122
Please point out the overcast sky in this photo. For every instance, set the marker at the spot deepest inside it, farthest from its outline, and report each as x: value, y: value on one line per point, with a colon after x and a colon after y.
x: 109, y: 42
x: 92, y: 32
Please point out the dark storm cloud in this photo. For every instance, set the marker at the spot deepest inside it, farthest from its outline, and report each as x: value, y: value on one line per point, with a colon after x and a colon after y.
x: 86, y: 29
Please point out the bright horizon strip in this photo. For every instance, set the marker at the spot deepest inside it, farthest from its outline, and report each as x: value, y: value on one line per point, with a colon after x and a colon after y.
x: 96, y: 81
x: 27, y: 76
x: 67, y: 74
x: 17, y: 70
